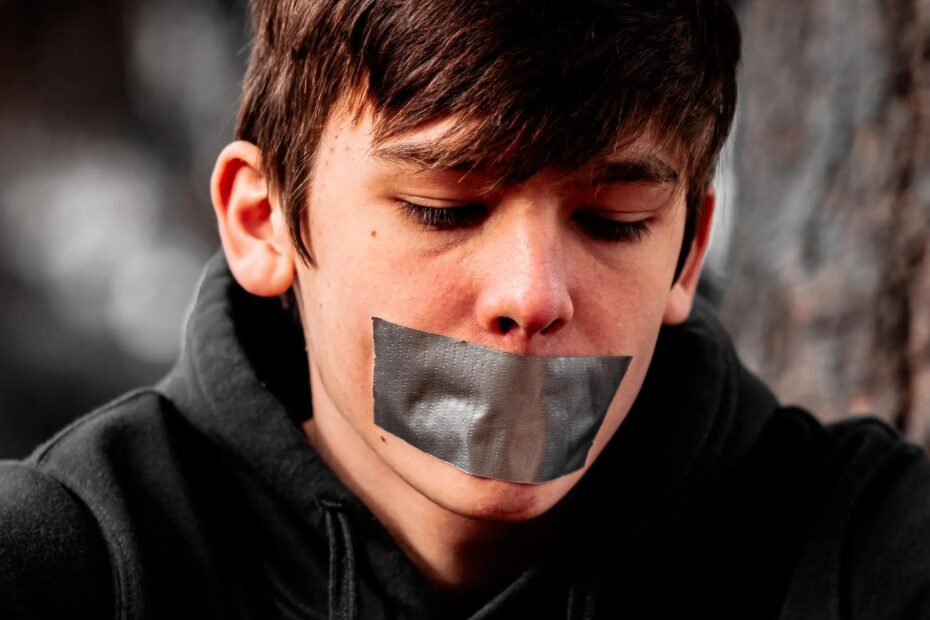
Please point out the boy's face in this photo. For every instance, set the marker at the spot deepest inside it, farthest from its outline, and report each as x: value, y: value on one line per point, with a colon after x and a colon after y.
x: 578, y: 264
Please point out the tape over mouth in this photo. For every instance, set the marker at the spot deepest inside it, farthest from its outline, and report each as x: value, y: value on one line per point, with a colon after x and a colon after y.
x: 490, y: 413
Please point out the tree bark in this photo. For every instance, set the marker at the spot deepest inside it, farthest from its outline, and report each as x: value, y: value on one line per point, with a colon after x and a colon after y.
x: 828, y: 290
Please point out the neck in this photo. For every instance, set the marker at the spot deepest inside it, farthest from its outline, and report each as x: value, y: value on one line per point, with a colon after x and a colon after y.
x: 462, y: 558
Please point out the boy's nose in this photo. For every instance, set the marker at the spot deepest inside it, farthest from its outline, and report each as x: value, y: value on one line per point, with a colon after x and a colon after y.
x: 524, y: 290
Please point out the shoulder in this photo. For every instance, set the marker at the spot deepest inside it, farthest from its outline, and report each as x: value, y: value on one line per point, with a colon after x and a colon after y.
x: 113, y: 449
x: 81, y: 497
x: 53, y: 560
x: 122, y: 457
x: 843, y: 455
x: 133, y: 413
x: 888, y: 533
x: 122, y: 442
x: 869, y: 540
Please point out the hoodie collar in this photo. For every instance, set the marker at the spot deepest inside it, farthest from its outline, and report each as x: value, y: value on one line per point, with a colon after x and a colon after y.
x: 242, y: 379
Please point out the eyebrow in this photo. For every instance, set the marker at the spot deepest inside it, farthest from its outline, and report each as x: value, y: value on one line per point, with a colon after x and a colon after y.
x: 424, y: 155
x: 634, y: 169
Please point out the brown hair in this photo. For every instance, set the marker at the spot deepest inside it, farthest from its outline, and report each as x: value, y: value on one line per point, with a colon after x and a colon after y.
x: 534, y: 83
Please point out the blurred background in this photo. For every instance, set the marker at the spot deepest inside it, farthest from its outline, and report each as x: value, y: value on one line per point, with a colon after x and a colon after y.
x: 113, y: 112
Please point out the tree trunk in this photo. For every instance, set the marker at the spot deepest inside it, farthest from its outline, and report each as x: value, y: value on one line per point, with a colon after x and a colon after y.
x: 828, y: 294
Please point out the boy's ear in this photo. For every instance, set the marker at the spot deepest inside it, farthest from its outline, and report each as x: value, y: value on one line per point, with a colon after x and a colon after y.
x: 252, y: 229
x: 683, y: 291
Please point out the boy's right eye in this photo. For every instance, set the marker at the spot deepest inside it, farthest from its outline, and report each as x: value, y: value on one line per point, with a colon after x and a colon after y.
x: 445, y: 218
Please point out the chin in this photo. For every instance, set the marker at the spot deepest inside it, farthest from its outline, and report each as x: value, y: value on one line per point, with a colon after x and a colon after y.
x: 488, y: 499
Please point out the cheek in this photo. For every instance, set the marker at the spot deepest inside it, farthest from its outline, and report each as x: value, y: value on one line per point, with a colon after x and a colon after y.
x: 627, y: 314
x: 335, y: 292
x: 358, y: 276
x: 338, y: 339
x: 428, y: 293
x: 619, y: 301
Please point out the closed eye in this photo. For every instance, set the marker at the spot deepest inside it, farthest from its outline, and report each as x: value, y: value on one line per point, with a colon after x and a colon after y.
x: 606, y: 229
x: 445, y: 218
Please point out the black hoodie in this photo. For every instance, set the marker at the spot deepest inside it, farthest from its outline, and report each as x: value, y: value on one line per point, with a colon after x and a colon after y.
x: 201, y: 498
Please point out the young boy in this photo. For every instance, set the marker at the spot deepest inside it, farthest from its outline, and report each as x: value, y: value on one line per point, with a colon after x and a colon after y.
x: 450, y: 363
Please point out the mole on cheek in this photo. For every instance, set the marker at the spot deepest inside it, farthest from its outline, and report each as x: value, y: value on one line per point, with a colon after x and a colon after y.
x: 374, y: 234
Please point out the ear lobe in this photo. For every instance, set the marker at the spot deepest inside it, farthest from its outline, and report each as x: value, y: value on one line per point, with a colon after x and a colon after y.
x: 252, y: 230
x: 681, y: 297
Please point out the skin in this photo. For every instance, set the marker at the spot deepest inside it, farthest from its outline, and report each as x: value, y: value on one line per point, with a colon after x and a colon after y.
x: 529, y: 276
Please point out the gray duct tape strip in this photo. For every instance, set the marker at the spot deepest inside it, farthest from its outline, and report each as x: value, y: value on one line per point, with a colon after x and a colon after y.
x: 494, y: 414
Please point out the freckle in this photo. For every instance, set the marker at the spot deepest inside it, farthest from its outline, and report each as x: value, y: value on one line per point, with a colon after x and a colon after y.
x: 374, y: 234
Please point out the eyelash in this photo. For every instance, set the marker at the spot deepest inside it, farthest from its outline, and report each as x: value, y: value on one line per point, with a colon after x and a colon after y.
x: 465, y: 216
x: 445, y: 218
x: 606, y: 229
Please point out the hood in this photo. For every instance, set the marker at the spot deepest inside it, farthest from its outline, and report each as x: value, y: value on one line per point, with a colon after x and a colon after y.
x: 242, y: 380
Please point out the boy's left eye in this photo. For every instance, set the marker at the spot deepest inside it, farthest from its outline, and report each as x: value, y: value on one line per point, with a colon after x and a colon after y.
x: 606, y: 229
x: 445, y: 218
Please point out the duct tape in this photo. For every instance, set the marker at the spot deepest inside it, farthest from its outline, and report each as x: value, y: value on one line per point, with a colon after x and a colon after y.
x: 520, y: 418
